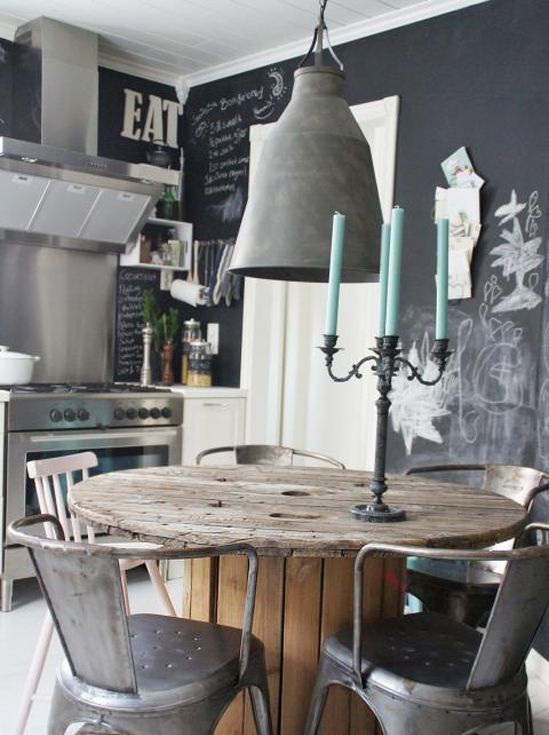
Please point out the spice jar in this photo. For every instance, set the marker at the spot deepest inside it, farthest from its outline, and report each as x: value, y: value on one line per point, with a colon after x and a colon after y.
x: 191, y: 333
x: 200, y: 364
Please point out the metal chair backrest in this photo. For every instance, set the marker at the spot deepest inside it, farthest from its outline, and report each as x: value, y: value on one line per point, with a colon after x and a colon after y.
x: 517, y: 483
x: 47, y: 474
x: 518, y: 611
x: 268, y: 454
x: 82, y: 587
x: 83, y: 591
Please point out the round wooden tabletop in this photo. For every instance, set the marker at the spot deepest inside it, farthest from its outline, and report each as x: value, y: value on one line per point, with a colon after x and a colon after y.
x: 289, y: 510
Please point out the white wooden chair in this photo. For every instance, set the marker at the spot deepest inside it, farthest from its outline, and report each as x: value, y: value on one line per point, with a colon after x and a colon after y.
x: 47, y: 474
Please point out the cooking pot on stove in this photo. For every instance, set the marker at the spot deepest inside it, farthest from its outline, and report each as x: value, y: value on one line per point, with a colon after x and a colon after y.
x: 15, y: 367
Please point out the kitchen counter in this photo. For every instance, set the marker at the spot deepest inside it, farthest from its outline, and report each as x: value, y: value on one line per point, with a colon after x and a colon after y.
x: 215, y: 391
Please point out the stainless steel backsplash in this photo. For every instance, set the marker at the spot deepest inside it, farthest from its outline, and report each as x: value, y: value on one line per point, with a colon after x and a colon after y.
x: 60, y: 305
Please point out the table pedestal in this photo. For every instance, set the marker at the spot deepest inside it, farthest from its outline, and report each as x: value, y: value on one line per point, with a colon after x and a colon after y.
x: 300, y: 601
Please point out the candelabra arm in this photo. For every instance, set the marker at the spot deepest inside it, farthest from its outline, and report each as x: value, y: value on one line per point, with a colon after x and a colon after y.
x: 440, y: 355
x: 329, y: 349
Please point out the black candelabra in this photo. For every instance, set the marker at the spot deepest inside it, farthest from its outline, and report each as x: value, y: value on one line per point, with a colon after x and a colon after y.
x: 386, y: 362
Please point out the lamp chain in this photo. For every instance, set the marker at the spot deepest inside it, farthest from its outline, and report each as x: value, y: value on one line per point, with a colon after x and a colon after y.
x: 320, y: 31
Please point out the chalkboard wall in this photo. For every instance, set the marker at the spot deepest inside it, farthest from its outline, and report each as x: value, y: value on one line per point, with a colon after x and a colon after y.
x: 477, y: 78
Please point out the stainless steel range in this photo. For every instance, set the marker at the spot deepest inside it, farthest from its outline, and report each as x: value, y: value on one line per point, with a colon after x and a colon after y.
x: 127, y: 426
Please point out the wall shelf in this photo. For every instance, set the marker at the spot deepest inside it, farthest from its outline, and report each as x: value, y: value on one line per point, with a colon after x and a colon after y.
x: 184, y: 233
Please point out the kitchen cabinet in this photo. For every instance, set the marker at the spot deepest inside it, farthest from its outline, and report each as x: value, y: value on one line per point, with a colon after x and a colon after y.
x: 211, y: 418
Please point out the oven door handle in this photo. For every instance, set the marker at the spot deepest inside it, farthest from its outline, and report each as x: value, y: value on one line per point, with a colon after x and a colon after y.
x: 65, y: 438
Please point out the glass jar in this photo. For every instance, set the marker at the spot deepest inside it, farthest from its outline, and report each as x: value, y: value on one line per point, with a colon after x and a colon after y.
x: 191, y: 333
x: 200, y: 364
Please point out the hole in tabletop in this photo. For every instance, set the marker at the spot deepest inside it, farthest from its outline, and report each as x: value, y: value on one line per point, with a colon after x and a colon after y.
x: 295, y: 493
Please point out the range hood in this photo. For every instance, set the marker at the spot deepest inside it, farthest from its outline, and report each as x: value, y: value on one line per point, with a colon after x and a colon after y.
x: 59, y: 193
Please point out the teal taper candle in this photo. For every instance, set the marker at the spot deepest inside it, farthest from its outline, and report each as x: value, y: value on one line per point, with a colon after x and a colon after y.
x: 393, y: 281
x: 336, y: 263
x: 383, y: 276
x: 441, y: 325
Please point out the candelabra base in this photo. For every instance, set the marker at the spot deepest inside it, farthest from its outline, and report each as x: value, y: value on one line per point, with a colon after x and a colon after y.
x: 373, y: 513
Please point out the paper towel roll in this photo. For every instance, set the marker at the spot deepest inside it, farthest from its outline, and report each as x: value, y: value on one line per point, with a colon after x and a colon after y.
x: 191, y: 293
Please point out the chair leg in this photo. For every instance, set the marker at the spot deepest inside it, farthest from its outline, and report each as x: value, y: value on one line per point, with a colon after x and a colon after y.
x: 35, y: 673
x: 260, y: 710
x: 324, y: 678
x: 160, y: 587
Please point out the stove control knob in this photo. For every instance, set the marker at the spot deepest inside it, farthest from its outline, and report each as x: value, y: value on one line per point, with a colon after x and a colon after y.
x: 69, y: 414
x: 82, y: 414
x: 155, y: 413
x: 119, y: 414
x: 166, y: 412
x: 143, y: 413
x: 131, y: 414
x: 56, y: 415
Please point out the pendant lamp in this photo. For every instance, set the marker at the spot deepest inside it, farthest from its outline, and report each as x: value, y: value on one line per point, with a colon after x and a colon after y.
x: 315, y: 161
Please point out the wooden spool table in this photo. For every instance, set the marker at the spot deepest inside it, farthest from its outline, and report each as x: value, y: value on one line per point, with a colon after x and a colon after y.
x: 298, y: 520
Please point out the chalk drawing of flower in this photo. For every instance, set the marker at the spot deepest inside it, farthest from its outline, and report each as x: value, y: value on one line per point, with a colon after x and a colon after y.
x: 518, y: 257
x: 417, y: 406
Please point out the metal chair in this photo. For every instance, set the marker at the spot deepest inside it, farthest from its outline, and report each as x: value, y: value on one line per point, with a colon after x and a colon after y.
x: 426, y: 673
x: 139, y: 674
x: 47, y: 474
x: 467, y: 592
x: 268, y: 454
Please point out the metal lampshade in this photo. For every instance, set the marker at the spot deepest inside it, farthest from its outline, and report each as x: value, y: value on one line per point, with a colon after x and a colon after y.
x: 315, y: 161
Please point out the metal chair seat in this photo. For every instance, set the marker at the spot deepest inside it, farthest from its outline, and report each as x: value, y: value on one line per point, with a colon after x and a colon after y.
x: 473, y: 577
x: 424, y: 657
x: 176, y: 661
x: 426, y: 673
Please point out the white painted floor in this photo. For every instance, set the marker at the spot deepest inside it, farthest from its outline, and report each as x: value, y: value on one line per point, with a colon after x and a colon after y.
x: 19, y: 631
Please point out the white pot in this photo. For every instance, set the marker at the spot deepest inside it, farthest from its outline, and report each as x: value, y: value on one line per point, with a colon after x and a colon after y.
x: 15, y: 367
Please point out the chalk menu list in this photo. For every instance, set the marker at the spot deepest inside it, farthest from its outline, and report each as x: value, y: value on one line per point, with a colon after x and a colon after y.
x: 132, y: 282
x: 218, y: 153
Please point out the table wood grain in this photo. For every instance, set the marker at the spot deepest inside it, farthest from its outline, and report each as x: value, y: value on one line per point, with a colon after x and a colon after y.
x: 289, y: 511
x: 299, y: 521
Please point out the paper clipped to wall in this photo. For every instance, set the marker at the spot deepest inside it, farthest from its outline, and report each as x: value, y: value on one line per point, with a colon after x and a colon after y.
x: 461, y: 205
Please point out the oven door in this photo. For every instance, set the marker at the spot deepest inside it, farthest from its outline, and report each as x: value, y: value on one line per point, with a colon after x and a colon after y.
x: 116, y: 449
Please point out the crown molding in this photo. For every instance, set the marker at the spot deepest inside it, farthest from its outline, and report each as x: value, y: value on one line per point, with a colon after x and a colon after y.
x: 144, y: 71
x: 370, y: 27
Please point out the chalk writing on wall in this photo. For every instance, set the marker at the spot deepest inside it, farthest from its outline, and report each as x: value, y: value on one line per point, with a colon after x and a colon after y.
x: 129, y: 343
x: 219, y: 129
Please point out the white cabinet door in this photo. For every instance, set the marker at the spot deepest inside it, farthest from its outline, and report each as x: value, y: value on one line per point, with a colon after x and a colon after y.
x: 291, y: 399
x: 211, y: 422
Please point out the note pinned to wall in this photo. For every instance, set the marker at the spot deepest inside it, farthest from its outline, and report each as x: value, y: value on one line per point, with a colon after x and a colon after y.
x: 460, y: 204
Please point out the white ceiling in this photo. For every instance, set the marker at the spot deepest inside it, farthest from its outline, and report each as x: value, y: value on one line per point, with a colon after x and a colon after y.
x: 207, y: 39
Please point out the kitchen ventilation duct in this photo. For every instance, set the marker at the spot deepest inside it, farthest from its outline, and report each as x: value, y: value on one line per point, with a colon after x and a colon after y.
x: 59, y: 193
